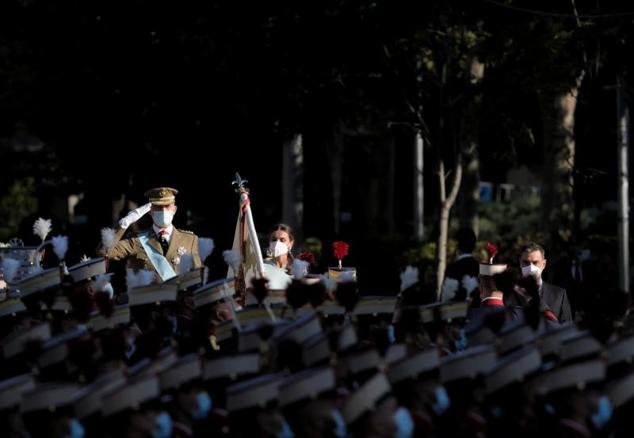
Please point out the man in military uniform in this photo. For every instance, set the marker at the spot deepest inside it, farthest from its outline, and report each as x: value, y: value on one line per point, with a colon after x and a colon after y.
x: 161, y: 247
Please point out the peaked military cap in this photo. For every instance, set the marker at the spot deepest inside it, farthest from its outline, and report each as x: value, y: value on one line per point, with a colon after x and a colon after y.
x: 621, y: 391
x: 468, y: 363
x: 87, y: 269
x: 579, y: 345
x: 306, y: 384
x: 91, y: 400
x: 253, y: 393
x: 231, y: 366
x: 490, y: 269
x: 513, y: 368
x: 366, y: 398
x: 131, y: 395
x: 185, y: 369
x: 413, y: 366
x: 515, y: 336
x: 621, y: 351
x: 316, y: 349
x: 571, y: 376
x: 11, y: 390
x: 49, y: 396
x: 162, y: 195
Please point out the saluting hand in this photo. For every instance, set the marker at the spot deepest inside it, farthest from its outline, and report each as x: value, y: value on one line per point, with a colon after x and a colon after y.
x: 134, y: 215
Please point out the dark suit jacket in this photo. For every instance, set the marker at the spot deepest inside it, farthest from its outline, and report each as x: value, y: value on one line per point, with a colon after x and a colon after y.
x: 557, y: 300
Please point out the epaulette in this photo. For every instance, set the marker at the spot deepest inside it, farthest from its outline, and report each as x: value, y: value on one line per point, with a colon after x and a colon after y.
x: 187, y: 232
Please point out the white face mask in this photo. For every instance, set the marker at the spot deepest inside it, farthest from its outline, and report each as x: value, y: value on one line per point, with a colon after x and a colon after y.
x: 163, y: 218
x: 278, y: 248
x: 532, y: 270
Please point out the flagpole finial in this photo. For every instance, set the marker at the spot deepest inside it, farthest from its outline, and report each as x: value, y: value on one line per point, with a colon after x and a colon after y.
x: 239, y: 184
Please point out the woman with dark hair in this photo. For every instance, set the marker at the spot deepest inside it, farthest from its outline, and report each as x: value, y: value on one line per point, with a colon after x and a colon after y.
x: 279, y: 262
x: 281, y: 239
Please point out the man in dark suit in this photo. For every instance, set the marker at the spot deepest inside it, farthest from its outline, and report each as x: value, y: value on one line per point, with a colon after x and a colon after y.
x: 533, y: 262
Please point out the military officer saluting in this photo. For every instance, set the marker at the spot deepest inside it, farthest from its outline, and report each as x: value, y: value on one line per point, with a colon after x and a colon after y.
x: 160, y: 247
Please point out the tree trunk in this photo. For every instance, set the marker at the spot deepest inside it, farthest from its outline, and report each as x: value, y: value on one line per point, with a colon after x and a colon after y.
x: 470, y: 193
x: 419, y: 188
x: 335, y: 155
x: 388, y: 186
x: 446, y: 202
x: 293, y: 185
x: 559, y: 157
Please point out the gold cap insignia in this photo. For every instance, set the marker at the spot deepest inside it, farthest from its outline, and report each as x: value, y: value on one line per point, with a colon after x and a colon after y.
x: 162, y: 195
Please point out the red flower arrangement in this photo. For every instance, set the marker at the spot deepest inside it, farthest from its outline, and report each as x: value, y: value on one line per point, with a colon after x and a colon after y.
x: 492, y: 250
x: 306, y: 256
x: 340, y: 250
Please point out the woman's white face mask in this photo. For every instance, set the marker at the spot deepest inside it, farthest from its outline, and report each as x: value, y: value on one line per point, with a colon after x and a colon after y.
x: 278, y: 248
x: 163, y: 218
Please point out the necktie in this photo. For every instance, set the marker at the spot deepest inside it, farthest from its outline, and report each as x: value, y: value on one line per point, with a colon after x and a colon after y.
x: 163, y: 240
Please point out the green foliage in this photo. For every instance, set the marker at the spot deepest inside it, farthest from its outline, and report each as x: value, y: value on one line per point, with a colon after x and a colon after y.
x: 19, y: 203
x: 510, y: 223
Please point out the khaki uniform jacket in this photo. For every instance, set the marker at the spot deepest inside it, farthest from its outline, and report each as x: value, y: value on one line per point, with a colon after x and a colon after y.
x: 132, y: 250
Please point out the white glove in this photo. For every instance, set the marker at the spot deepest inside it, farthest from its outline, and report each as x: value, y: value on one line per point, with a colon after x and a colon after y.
x: 449, y: 288
x: 470, y: 283
x: 134, y: 215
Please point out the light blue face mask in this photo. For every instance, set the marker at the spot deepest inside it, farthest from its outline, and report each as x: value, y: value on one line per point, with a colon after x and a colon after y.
x: 162, y: 218
x: 162, y: 426
x: 442, y: 400
x: 603, y: 414
x: 204, y: 406
x: 461, y: 343
x: 341, y: 431
x: 76, y: 429
x: 286, y: 431
x: 404, y: 423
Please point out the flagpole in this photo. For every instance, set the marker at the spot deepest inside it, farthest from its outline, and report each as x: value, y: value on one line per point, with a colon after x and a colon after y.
x: 244, y: 199
x: 245, y: 209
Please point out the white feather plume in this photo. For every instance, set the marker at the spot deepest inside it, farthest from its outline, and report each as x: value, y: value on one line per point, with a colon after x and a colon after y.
x: 146, y: 277
x: 277, y: 278
x: 449, y: 289
x: 205, y: 275
x: 102, y: 284
x: 469, y: 283
x: 60, y: 246
x: 10, y: 268
x: 186, y: 264
x: 329, y: 283
x: 131, y: 278
x: 107, y: 238
x: 139, y: 279
x: 299, y: 269
x: 205, y: 247
x: 35, y: 269
x: 42, y: 227
x: 101, y: 280
x: 409, y: 277
x: 232, y: 259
